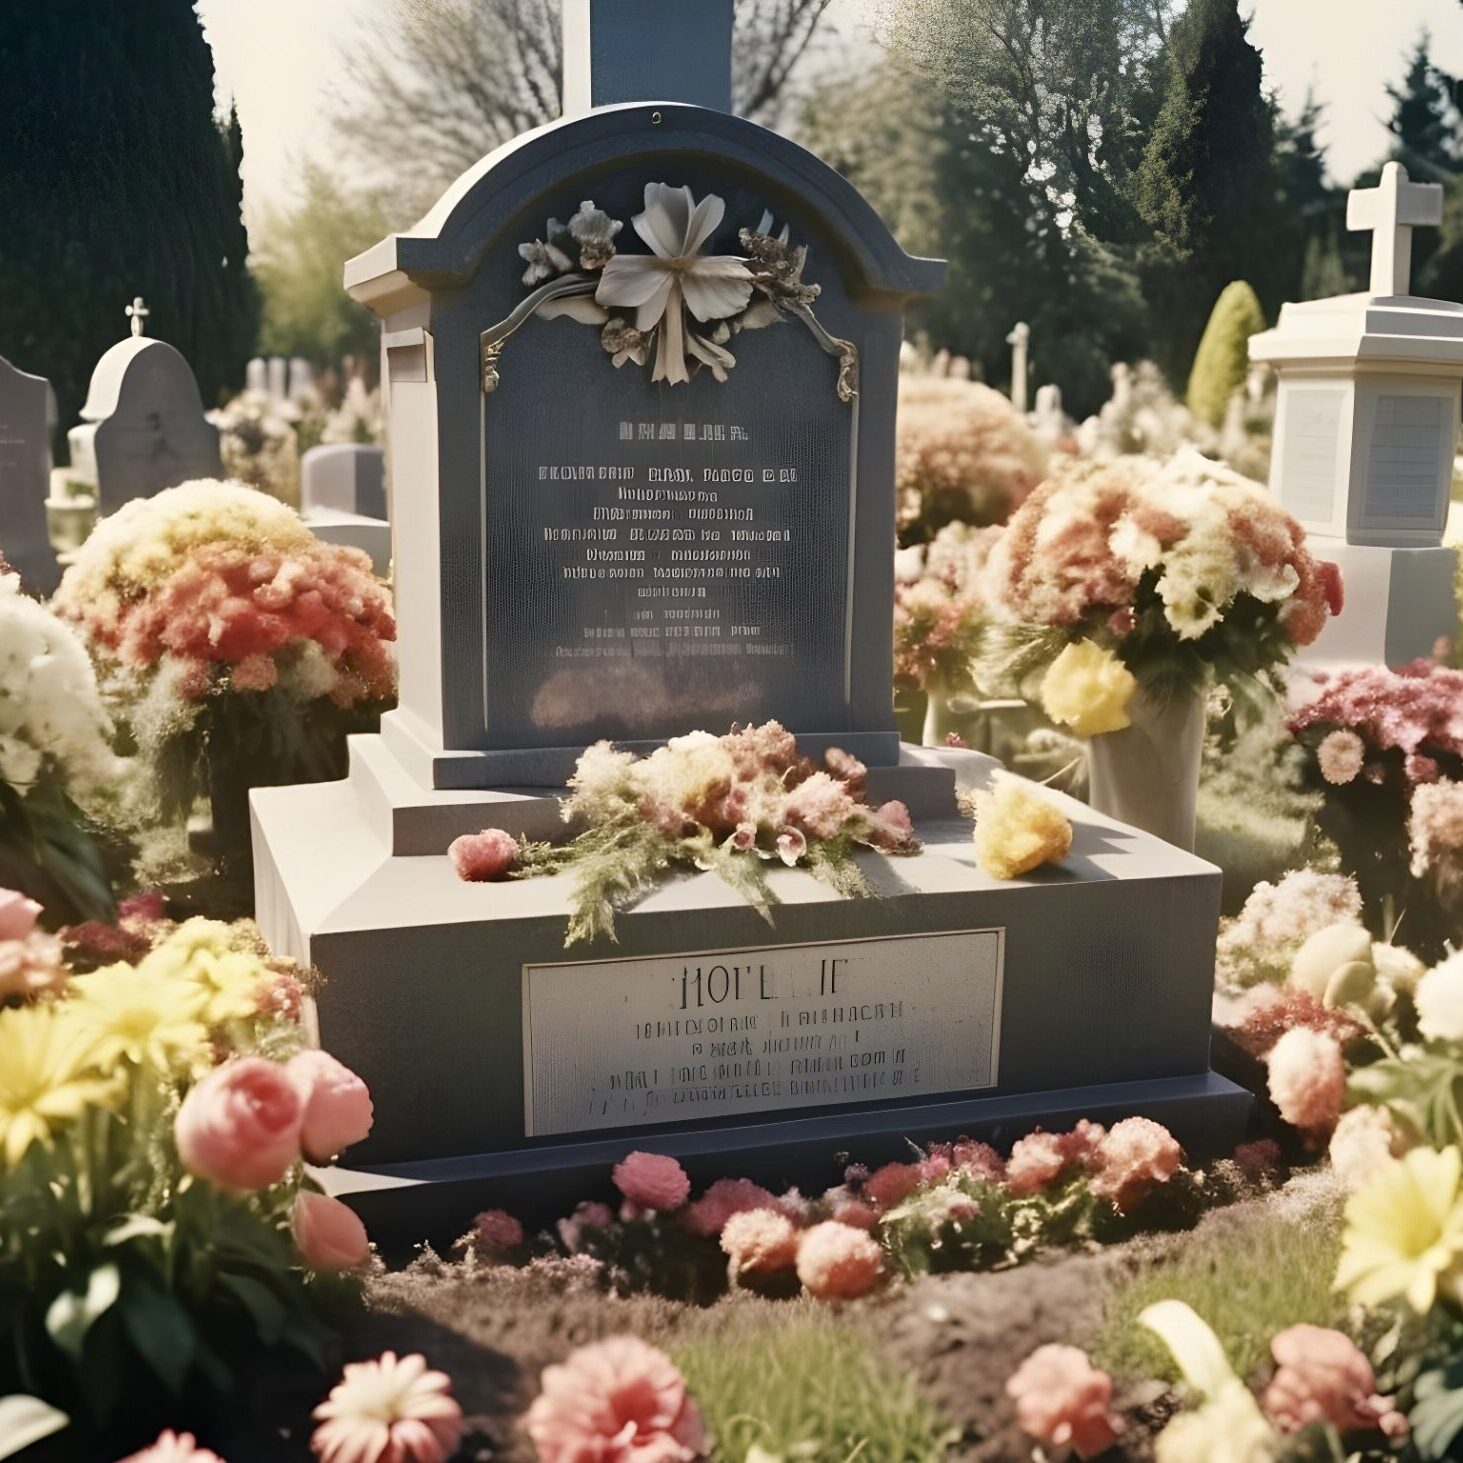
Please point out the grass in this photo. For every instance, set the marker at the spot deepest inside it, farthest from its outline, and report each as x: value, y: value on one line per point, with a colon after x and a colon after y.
x: 1247, y: 1283
x: 805, y: 1384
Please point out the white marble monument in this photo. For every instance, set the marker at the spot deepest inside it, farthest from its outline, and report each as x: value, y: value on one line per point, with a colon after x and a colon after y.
x: 1365, y: 428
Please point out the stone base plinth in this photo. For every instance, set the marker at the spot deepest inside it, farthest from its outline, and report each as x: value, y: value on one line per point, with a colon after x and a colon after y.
x: 356, y: 531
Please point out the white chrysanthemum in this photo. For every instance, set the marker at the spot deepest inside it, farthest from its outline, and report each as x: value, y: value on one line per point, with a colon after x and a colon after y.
x: 1365, y: 1141
x: 1440, y: 1000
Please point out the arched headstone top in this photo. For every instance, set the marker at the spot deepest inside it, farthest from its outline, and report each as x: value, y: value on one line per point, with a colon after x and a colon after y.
x: 134, y: 371
x: 445, y: 249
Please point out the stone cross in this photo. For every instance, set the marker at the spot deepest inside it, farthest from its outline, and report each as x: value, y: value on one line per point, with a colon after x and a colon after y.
x: 137, y: 312
x: 1391, y: 211
x: 1018, y: 340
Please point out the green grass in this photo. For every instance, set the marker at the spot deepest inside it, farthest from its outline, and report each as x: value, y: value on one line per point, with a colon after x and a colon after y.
x: 1247, y: 1284
x: 805, y: 1383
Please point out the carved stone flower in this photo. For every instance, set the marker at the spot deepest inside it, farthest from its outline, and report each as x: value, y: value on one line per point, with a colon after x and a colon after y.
x: 594, y: 231
x: 544, y: 259
x: 777, y: 268
x: 623, y: 342
x: 675, y: 276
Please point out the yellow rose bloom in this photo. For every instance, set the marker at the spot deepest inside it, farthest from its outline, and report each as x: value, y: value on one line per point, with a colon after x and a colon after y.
x: 1404, y: 1233
x: 1088, y: 689
x: 47, y: 1075
x: 140, y: 1016
x: 1017, y: 829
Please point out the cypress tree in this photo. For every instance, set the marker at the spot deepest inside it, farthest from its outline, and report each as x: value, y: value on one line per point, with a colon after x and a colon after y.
x: 117, y: 180
x: 1223, y: 357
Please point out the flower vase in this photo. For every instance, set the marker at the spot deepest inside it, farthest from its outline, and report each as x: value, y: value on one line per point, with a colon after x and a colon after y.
x: 1147, y: 775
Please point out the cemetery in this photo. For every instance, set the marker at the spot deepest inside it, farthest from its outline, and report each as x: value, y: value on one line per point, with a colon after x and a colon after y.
x: 744, y: 742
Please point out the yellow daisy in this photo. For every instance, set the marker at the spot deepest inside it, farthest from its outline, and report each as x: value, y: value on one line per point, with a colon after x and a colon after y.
x: 1404, y: 1232
x: 148, y: 1019
x: 230, y: 981
x: 47, y: 1075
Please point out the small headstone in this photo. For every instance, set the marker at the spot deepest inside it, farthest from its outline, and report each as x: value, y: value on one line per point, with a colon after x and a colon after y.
x: 256, y: 376
x: 1019, y: 340
x: 278, y: 378
x: 27, y: 418
x: 302, y: 381
x: 347, y: 477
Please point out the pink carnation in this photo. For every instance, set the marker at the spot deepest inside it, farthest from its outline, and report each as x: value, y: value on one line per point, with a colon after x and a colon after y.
x: 892, y: 1184
x: 617, y: 1401
x: 1340, y: 756
x: 1307, y: 1080
x: 1322, y: 1377
x: 483, y: 858
x: 588, y: 1215
x: 652, y: 1181
x: 979, y: 1160
x: 1135, y: 1156
x: 837, y: 1262
x: 856, y: 1214
x: 708, y: 1215
x: 172, y: 1447
x: 1063, y: 1401
x: 391, y: 1410
x: 761, y: 1240
x: 1036, y: 1162
x: 496, y: 1229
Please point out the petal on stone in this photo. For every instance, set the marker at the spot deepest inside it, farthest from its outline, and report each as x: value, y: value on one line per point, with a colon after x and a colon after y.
x: 629, y: 280
x: 665, y: 301
x: 670, y: 348
x: 705, y: 221
x: 716, y: 287
x: 576, y: 307
x: 666, y: 219
x: 710, y: 354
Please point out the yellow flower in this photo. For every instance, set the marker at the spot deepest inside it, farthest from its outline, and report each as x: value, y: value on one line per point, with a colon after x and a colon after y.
x: 204, y: 953
x: 1017, y: 829
x: 1404, y: 1232
x: 144, y: 1017
x: 46, y: 1075
x: 1088, y: 689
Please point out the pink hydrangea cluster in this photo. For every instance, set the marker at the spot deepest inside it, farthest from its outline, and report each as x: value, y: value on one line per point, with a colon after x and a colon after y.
x: 1038, y: 1160
x: 1435, y: 828
x: 707, y: 1217
x: 1277, y: 919
x: 1321, y: 1376
x: 1063, y: 1401
x: 1132, y: 1159
x: 495, y: 1230
x: 1307, y: 1080
x: 652, y: 1181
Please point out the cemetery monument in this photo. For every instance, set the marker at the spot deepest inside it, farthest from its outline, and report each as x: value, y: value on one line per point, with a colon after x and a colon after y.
x: 27, y: 418
x: 343, y: 498
x: 641, y: 370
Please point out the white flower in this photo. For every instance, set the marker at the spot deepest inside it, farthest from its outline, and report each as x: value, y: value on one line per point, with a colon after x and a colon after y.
x: 1440, y: 1000
x: 544, y: 260
x: 675, y: 277
x: 594, y: 231
x: 1365, y: 1141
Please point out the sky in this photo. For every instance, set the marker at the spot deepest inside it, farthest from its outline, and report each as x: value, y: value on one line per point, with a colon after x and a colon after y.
x: 283, y: 63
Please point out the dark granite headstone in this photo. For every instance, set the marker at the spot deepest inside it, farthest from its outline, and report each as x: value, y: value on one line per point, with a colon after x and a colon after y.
x: 27, y: 416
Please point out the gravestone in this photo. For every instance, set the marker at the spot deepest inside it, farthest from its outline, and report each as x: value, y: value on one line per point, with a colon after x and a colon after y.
x: 27, y: 418
x: 277, y: 376
x: 343, y: 498
x: 634, y: 499
x: 256, y: 377
x: 1366, y: 424
x: 143, y: 427
x: 1020, y: 341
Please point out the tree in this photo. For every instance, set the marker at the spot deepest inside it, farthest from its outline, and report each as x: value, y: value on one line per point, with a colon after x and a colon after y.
x: 456, y: 78
x: 1207, y: 185
x: 117, y: 179
x: 1223, y: 358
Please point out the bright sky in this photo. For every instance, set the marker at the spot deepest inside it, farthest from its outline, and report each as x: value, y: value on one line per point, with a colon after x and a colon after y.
x: 282, y: 62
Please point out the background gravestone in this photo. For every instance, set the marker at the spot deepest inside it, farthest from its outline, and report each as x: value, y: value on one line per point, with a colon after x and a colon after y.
x: 27, y: 418
x: 348, y: 477
x: 143, y: 427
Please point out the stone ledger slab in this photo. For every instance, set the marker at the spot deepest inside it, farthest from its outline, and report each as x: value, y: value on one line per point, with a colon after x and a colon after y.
x: 956, y: 1004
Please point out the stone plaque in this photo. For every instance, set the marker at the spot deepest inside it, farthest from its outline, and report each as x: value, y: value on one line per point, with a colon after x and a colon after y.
x: 722, y: 1033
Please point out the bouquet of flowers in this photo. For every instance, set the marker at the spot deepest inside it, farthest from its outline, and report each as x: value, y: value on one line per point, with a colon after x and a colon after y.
x: 238, y: 648
x: 59, y: 777
x: 1385, y: 749
x: 963, y: 454
x: 258, y: 443
x: 939, y: 615
x: 155, y: 1225
x: 727, y: 804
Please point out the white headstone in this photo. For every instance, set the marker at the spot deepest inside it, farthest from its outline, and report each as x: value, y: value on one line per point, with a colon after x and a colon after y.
x: 348, y: 477
x: 1019, y: 340
x: 27, y: 417
x: 302, y: 381
x: 256, y: 376
x: 278, y: 378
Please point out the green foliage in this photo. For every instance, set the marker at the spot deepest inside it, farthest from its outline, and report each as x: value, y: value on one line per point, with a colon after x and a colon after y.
x: 118, y: 179
x: 1247, y: 1280
x: 51, y: 851
x: 1223, y: 358
x: 806, y: 1383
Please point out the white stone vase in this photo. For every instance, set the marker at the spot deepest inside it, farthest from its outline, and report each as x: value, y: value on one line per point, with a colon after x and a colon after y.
x: 1147, y: 775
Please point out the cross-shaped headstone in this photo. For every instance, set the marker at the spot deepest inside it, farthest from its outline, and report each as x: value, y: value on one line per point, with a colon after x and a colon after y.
x: 1391, y: 211
x: 137, y: 312
x: 647, y: 51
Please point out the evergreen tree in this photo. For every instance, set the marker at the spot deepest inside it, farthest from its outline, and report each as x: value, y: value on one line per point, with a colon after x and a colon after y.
x: 1311, y: 212
x: 117, y: 180
x: 1223, y: 357
x: 1207, y: 185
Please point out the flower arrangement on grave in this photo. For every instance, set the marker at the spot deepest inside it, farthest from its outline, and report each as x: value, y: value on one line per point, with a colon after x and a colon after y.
x: 258, y: 444
x: 676, y: 307
x: 1119, y: 593
x: 239, y: 649
x: 156, y: 1227
x: 1385, y: 750
x: 963, y: 454
x: 59, y: 777
x: 729, y: 804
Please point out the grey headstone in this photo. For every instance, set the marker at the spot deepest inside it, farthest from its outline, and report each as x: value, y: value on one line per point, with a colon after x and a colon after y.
x: 348, y: 477
x: 143, y: 427
x: 278, y: 377
x: 27, y: 417
x: 302, y: 380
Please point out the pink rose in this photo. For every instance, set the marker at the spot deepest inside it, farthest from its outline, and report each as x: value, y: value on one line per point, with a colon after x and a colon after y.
x: 652, y: 1181
x: 483, y: 858
x: 328, y: 1234
x: 1134, y: 1158
x: 1062, y: 1400
x: 1322, y: 1377
x: 337, y: 1105
x: 18, y: 915
x: 496, y: 1229
x: 240, y: 1126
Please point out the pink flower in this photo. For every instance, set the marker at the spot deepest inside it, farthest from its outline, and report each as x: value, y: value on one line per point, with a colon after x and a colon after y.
x: 240, y: 1125
x: 820, y: 806
x: 589, y: 1215
x: 146, y: 907
x: 388, y: 1411
x: 18, y: 914
x: 892, y: 1184
x: 760, y: 1240
x: 1062, y: 1400
x: 617, y: 1401
x: 172, y: 1447
x: 856, y: 1215
x: 837, y: 1262
x: 652, y: 1181
x: 253, y: 673
x: 791, y: 845
x: 893, y: 829
x: 1322, y: 1377
x: 483, y: 858
x: 1135, y: 1156
x: 979, y: 1160
x: 709, y: 1214
x: 954, y: 739
x: 31, y: 966
x: 282, y: 997
x: 1307, y: 1080
x: 1036, y: 1162
x: 1340, y: 756
x: 496, y: 1229
x: 328, y: 1234
x: 1421, y: 769
x: 337, y: 1104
